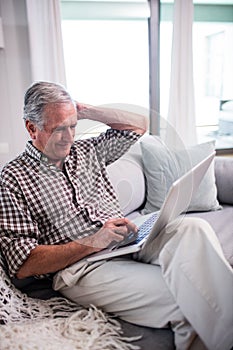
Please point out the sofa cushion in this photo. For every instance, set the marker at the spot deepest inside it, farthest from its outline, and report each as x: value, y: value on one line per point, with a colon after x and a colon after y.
x: 222, y: 224
x: 126, y: 175
x: 162, y: 166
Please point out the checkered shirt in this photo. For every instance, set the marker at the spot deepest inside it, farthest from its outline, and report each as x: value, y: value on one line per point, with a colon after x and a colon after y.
x: 41, y: 204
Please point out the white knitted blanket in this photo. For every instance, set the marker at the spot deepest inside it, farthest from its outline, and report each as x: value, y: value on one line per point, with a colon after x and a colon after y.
x: 33, y: 324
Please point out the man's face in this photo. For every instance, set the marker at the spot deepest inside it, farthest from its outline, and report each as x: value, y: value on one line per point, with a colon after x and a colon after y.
x: 57, y: 135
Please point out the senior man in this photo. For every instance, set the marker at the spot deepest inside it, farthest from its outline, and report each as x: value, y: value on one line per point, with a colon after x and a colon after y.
x: 58, y: 206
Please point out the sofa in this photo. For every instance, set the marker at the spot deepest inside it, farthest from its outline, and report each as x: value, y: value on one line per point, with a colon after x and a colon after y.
x: 133, y: 179
x: 130, y: 177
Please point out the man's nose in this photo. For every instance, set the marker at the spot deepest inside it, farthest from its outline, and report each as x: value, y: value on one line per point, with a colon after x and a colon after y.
x: 68, y: 134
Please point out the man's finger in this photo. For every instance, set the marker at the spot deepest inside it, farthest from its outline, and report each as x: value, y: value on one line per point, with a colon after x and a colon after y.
x: 118, y: 221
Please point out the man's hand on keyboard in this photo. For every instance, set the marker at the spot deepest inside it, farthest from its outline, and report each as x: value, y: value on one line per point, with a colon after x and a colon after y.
x: 113, y: 232
x: 122, y: 227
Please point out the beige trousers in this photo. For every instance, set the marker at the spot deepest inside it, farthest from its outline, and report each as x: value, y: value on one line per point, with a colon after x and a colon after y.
x: 181, y: 279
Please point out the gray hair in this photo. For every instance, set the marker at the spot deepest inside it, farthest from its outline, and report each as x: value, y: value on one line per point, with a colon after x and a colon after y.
x: 38, y: 96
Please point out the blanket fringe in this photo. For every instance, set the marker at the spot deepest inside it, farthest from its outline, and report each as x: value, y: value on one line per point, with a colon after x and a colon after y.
x: 83, y: 330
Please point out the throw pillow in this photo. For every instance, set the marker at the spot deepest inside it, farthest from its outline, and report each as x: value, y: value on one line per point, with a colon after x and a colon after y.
x: 163, y: 166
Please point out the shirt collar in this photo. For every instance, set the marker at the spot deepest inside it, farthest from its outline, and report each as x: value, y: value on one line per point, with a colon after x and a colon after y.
x: 34, y: 152
x: 38, y: 155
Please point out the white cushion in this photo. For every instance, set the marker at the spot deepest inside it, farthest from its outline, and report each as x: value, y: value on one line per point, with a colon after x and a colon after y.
x: 128, y: 180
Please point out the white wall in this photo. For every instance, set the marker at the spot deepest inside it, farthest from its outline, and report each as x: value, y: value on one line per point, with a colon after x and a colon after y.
x: 15, y: 77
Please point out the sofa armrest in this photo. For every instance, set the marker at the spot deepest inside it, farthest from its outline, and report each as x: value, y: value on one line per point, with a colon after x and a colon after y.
x: 224, y: 179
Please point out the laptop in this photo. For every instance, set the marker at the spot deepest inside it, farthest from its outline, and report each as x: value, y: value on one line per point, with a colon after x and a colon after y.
x: 176, y: 202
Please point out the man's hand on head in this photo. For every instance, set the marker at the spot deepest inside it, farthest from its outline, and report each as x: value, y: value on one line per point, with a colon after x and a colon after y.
x: 113, y: 117
x: 80, y: 106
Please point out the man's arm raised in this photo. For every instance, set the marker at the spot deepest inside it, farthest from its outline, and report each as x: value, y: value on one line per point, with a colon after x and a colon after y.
x: 114, y: 117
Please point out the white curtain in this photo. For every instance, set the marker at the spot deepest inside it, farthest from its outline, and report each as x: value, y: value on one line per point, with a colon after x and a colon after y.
x: 181, y: 111
x: 45, y: 38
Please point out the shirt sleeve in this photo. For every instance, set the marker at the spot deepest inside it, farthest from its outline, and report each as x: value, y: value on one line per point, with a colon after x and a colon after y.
x: 18, y: 232
x: 112, y: 144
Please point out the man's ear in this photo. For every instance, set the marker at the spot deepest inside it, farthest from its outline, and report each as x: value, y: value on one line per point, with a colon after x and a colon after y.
x: 31, y: 128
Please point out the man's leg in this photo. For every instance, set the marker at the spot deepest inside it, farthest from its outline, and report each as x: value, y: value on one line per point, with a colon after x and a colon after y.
x: 198, y: 276
x: 135, y: 292
x: 141, y: 294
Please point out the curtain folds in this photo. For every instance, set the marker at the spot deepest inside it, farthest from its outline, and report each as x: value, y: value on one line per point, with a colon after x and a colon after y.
x: 181, y: 111
x: 45, y: 39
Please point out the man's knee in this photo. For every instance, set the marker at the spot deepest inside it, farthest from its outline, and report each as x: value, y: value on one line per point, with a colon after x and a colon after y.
x: 190, y: 225
x: 187, y: 235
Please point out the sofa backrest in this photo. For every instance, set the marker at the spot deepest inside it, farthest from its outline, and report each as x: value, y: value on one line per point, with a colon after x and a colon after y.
x: 224, y: 179
x: 127, y: 177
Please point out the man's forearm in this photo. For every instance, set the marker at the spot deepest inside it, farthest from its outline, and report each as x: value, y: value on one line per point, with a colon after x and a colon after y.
x: 52, y: 258
x: 115, y: 118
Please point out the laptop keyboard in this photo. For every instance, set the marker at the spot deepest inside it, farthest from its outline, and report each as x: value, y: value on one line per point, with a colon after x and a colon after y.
x: 143, y: 231
x: 146, y: 227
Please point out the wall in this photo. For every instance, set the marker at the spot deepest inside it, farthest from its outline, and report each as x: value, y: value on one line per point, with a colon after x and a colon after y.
x: 15, y: 77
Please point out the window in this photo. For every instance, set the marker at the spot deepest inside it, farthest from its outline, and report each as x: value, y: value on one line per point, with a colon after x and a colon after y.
x: 213, y: 69
x: 106, y: 53
x: 107, y: 61
x: 107, y: 58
